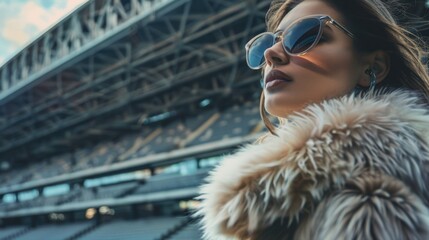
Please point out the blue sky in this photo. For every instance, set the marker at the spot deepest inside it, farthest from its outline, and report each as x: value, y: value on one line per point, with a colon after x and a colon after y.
x: 23, y: 20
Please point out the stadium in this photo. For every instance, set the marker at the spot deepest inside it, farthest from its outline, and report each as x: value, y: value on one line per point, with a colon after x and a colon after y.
x: 113, y: 117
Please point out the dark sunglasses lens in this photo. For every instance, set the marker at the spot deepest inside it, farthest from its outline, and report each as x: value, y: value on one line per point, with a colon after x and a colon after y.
x: 302, y: 35
x: 255, y: 56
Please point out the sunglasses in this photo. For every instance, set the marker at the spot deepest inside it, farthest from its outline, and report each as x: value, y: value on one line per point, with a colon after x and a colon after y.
x: 299, y: 38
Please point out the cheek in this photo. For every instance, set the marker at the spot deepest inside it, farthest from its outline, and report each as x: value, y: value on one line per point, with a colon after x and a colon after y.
x: 324, y: 73
x: 337, y: 70
x: 334, y: 61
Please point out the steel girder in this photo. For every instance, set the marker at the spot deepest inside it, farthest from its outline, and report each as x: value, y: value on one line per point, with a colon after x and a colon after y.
x: 114, y: 62
x: 172, y: 59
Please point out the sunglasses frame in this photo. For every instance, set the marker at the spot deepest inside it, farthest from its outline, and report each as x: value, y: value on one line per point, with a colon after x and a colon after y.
x: 323, y: 20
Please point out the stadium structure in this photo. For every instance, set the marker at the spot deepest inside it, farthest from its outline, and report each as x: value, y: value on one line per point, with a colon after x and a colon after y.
x: 112, y: 118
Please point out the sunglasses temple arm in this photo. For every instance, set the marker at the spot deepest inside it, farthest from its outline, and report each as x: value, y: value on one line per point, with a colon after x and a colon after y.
x: 339, y: 26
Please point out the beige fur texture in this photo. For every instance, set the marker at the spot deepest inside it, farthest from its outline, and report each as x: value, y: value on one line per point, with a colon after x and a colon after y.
x: 355, y: 167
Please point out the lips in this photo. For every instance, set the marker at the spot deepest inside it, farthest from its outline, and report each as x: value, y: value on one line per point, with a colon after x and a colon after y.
x: 276, y: 75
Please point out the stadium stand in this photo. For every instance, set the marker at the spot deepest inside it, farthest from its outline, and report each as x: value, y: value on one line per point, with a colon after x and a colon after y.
x: 236, y: 121
x: 190, y: 231
x: 194, y: 127
x: 126, y: 119
x: 55, y: 231
x: 140, y: 229
x: 11, y: 232
x: 175, y: 181
x: 209, y: 126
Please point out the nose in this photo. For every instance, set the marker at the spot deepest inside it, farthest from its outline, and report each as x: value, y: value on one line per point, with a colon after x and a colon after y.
x: 276, y: 55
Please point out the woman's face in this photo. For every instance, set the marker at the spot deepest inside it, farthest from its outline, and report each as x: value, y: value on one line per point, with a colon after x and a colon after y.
x: 328, y: 70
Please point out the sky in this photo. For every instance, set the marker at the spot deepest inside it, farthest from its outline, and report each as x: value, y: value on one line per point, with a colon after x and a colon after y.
x: 22, y: 21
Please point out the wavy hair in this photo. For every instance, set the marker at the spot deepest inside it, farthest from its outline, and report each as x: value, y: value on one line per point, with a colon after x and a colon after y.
x: 375, y: 28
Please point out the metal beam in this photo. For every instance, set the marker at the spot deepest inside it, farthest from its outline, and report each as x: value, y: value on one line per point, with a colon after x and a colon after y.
x: 206, y: 46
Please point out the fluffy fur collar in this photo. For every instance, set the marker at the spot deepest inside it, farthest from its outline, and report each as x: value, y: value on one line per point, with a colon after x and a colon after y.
x: 349, y: 168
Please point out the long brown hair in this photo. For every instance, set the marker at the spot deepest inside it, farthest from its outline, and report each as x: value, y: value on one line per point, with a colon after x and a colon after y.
x: 374, y: 28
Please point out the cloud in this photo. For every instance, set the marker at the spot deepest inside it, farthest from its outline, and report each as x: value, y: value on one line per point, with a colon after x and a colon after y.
x: 24, y: 20
x: 47, y: 3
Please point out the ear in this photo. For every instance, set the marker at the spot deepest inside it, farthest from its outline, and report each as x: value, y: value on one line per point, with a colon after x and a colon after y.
x: 379, y: 62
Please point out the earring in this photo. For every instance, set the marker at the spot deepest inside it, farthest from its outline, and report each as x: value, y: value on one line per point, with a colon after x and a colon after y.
x: 372, y: 78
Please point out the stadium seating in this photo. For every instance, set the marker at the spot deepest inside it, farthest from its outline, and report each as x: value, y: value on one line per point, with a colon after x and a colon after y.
x: 140, y: 229
x: 55, y: 231
x: 233, y: 122
x: 207, y: 126
x: 174, y: 133
x: 113, y: 191
x: 190, y: 232
x: 15, y: 176
x: 165, y: 183
x: 8, y: 232
x: 110, y: 191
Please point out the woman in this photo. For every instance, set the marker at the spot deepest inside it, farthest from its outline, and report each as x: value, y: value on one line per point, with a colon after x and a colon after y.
x: 350, y: 157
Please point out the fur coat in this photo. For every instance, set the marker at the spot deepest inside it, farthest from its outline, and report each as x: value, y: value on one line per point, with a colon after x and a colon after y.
x: 355, y: 167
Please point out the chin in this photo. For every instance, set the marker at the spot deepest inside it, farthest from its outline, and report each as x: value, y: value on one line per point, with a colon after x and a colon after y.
x: 282, y: 111
x: 281, y: 106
